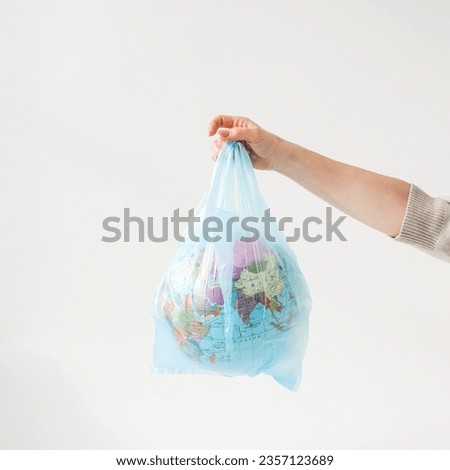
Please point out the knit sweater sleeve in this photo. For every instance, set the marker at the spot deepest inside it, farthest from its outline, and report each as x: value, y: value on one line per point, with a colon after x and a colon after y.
x: 426, y: 224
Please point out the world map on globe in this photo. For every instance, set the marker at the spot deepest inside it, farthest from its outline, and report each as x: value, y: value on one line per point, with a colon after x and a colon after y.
x: 235, y: 332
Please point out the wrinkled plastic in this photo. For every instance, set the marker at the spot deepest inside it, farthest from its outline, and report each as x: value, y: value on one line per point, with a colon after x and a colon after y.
x: 233, y: 307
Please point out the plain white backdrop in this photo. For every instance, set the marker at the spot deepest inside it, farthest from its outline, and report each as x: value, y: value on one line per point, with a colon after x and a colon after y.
x: 105, y: 105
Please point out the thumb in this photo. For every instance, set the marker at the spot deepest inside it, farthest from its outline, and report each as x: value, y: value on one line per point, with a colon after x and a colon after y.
x: 237, y: 133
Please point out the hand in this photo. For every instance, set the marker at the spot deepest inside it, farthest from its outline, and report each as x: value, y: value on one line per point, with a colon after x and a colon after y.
x: 264, y: 148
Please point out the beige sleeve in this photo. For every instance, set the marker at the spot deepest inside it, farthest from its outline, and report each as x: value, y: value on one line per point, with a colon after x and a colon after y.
x: 426, y: 224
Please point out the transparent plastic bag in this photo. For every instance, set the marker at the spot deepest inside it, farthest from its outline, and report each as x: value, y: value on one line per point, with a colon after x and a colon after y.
x: 230, y: 302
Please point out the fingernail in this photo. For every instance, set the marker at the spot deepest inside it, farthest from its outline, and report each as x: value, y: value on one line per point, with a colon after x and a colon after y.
x: 224, y: 132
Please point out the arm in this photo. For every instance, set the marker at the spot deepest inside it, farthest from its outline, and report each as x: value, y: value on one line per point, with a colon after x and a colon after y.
x: 376, y: 200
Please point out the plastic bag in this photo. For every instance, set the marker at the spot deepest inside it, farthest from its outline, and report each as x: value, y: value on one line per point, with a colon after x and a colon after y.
x: 232, y: 302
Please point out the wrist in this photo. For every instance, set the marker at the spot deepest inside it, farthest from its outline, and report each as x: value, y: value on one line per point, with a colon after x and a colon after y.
x: 287, y: 153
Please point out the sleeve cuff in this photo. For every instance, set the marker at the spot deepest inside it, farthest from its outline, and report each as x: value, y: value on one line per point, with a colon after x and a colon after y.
x: 424, y: 220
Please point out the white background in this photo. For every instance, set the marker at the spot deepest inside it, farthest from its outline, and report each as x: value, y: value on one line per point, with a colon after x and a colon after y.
x: 105, y: 105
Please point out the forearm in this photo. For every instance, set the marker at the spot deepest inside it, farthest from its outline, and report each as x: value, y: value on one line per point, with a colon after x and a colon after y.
x: 376, y: 200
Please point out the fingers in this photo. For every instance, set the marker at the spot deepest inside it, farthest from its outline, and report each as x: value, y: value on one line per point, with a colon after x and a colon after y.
x: 251, y: 135
x: 233, y: 128
x: 219, y: 121
x: 223, y: 120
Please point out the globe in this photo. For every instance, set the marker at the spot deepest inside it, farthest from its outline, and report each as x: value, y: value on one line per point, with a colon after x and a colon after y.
x: 239, y: 323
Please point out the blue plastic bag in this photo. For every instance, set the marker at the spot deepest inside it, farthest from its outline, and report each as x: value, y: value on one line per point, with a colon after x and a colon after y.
x: 230, y: 302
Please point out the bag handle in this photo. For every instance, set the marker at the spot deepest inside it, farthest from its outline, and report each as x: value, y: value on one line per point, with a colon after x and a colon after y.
x: 233, y: 186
